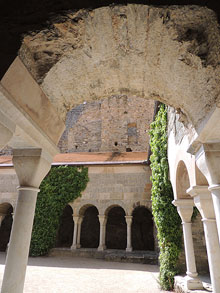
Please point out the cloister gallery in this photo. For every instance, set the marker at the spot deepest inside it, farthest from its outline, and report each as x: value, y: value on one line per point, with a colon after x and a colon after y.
x: 129, y: 54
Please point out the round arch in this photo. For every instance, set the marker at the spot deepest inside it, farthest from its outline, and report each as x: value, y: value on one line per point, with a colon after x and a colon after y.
x: 142, y: 229
x: 116, y: 228
x: 90, y: 227
x: 182, y: 181
x: 112, y: 204
x: 132, y: 49
x: 66, y: 228
x: 80, y: 210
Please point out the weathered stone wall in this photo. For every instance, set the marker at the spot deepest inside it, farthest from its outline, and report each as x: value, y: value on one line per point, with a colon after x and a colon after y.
x: 129, y: 183
x: 117, y: 124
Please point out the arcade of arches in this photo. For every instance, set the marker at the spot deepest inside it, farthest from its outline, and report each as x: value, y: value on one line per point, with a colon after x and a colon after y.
x: 132, y: 232
x: 170, y: 54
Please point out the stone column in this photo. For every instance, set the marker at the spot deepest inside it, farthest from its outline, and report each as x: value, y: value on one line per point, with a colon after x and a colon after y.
x: 208, y: 161
x: 215, y: 191
x: 129, y: 222
x: 203, y: 201
x: 185, y: 210
x: 75, y: 220
x: 78, y: 245
x: 102, y: 221
x: 31, y: 165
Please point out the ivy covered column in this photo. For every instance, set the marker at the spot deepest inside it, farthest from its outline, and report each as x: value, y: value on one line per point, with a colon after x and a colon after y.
x: 203, y: 201
x: 167, y: 220
x: 185, y: 210
x: 31, y: 165
x: 102, y: 221
x: 129, y: 222
x: 75, y: 220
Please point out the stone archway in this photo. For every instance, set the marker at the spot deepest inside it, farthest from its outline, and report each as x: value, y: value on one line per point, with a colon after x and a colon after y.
x: 90, y: 228
x: 144, y: 51
x: 116, y: 228
x: 6, y: 224
x: 142, y: 229
x: 66, y: 228
x: 182, y: 181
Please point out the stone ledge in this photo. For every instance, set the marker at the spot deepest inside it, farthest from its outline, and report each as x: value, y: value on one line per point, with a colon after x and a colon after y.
x: 145, y: 257
x: 179, y: 285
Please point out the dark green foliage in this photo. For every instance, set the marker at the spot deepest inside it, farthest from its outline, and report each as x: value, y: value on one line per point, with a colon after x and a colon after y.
x: 166, y: 218
x: 62, y: 185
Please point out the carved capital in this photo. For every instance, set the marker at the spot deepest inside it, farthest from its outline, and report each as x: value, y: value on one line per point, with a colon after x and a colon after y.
x: 31, y: 166
x: 102, y: 219
x: 184, y: 208
x: 208, y: 161
x: 128, y: 219
x: 203, y: 201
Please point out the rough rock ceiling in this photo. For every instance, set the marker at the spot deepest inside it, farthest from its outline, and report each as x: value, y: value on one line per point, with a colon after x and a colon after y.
x: 19, y: 17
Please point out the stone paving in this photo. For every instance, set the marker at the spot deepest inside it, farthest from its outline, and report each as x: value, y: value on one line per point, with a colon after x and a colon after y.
x: 62, y: 274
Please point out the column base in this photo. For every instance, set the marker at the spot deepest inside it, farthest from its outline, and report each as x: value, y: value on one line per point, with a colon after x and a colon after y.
x: 101, y: 248
x: 129, y: 249
x: 73, y: 247
x: 78, y: 245
x: 193, y: 283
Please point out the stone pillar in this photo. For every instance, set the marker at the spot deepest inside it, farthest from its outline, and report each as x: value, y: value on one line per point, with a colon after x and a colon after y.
x: 75, y: 220
x: 31, y: 165
x: 208, y: 161
x: 203, y: 201
x: 78, y: 245
x: 185, y: 210
x: 215, y: 191
x: 102, y: 221
x: 129, y: 222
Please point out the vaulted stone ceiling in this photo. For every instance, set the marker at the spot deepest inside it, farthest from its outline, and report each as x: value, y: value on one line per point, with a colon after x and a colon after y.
x: 169, y: 54
x: 19, y: 17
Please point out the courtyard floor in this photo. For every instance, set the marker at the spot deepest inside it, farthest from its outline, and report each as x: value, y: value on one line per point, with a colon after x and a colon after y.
x: 62, y: 274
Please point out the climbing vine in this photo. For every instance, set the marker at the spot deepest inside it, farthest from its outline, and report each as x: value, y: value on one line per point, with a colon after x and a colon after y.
x: 166, y: 218
x: 62, y: 185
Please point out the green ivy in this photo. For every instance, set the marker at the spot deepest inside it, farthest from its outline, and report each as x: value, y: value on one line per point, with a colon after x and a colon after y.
x: 166, y: 218
x: 62, y: 185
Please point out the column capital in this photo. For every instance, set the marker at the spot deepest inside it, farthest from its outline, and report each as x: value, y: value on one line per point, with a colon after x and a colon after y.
x: 102, y: 219
x: 31, y: 166
x: 128, y: 219
x: 203, y: 201
x: 183, y: 203
x: 75, y: 218
x: 208, y: 161
x: 184, y: 208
